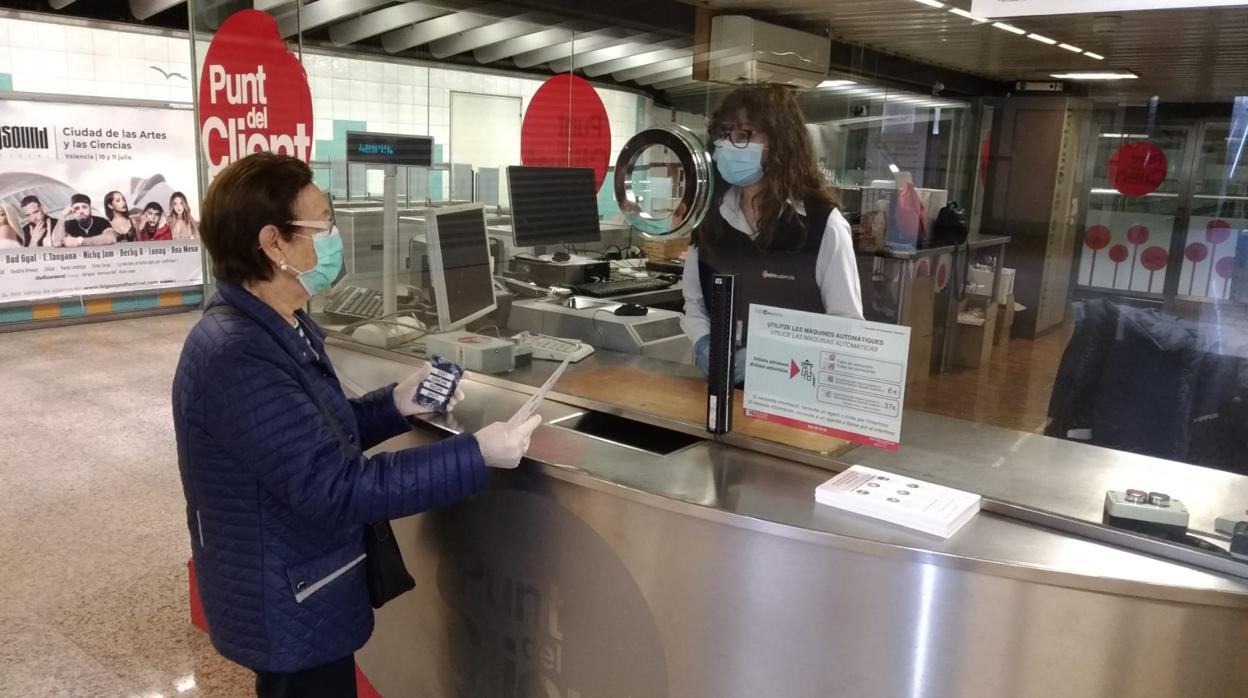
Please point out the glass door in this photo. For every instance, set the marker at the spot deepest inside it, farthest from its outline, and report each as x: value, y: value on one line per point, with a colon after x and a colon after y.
x: 1135, y: 205
x: 1219, y: 210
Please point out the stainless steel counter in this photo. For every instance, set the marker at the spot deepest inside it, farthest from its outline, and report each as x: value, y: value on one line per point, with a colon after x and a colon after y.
x: 611, y: 571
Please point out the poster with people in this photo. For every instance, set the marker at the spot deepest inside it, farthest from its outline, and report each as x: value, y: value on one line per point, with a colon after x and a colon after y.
x: 96, y: 200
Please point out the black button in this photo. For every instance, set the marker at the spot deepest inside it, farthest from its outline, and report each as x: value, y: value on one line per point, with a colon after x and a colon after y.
x: 351, y: 438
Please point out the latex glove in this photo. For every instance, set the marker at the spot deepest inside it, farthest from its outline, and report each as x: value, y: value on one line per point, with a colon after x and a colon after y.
x: 702, y: 358
x: 503, y: 443
x: 405, y: 392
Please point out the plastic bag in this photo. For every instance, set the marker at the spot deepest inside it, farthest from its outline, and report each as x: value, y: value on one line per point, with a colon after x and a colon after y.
x: 907, y: 218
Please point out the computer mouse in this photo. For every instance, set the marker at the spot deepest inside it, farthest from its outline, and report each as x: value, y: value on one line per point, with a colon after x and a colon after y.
x: 631, y: 310
x: 561, y: 256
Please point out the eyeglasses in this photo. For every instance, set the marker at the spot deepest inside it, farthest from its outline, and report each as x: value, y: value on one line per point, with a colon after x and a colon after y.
x: 739, y: 137
x: 321, y: 226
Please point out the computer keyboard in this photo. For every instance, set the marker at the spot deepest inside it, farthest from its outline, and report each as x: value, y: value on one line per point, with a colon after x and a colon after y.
x: 620, y: 287
x: 354, y: 303
x: 553, y: 348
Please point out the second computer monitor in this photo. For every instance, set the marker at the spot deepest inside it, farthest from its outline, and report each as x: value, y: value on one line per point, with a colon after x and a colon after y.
x: 459, y: 263
x: 553, y: 205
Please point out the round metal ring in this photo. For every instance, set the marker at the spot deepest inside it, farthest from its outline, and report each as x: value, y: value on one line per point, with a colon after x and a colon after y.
x: 695, y: 163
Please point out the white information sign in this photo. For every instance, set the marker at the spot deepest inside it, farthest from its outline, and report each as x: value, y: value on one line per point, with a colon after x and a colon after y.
x: 841, y: 377
x: 1028, y: 8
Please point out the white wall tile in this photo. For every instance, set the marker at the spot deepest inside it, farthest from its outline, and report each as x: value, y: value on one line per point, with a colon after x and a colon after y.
x: 359, y: 71
x: 439, y: 98
x: 158, y: 92
x: 106, y: 44
x: 181, y: 93
x: 420, y: 96
x: 322, y: 107
x: 437, y: 77
x: 342, y: 108
x: 322, y: 87
x: 23, y: 35
x: 51, y: 36
x: 374, y: 71
x: 6, y: 59
x: 359, y: 91
x: 4, y: 32
x: 322, y: 129
x: 404, y: 95
x: 81, y: 66
x: 54, y: 64
x: 110, y: 88
x: 341, y: 88
x: 340, y: 67
x: 418, y: 75
x: 358, y: 111
x: 440, y: 116
x: 390, y: 111
x: 392, y: 72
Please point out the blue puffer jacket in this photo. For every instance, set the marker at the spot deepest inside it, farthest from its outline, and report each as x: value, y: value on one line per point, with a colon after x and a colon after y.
x: 275, y: 509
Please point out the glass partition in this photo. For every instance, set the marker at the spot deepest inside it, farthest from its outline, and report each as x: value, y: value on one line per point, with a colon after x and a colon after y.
x: 1066, y: 263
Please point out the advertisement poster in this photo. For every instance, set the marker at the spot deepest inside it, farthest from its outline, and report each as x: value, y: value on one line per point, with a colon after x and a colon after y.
x: 96, y: 200
x: 836, y: 376
x: 1026, y: 8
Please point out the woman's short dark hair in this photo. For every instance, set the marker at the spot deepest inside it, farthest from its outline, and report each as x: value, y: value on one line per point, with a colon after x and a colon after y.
x: 247, y: 195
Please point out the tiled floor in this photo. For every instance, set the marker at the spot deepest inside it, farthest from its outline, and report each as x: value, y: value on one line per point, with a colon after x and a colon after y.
x: 93, y: 548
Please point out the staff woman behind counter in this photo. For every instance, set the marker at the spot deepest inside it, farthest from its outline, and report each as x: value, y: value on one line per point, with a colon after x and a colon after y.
x: 276, y: 502
x: 777, y: 227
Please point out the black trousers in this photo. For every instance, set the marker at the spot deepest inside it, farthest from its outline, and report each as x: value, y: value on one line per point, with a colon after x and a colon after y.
x: 333, y: 680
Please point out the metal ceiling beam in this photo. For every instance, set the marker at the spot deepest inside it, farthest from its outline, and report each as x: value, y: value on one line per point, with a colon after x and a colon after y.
x: 585, y: 58
x: 523, y: 44
x: 587, y: 41
x: 60, y: 4
x: 382, y: 21
x: 685, y: 61
x: 441, y: 27
x: 665, y: 76
x: 675, y: 83
x: 270, y: 5
x: 520, y: 25
x: 322, y: 12
x: 142, y: 9
x: 639, y: 60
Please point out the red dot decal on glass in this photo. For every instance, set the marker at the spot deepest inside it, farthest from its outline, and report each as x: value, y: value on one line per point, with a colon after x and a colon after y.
x: 1226, y: 269
x: 942, y: 276
x: 1138, y: 168
x: 1195, y: 253
x: 1118, y: 254
x: 1217, y: 231
x: 566, y: 125
x: 1154, y: 259
x: 1096, y: 238
x: 1138, y: 234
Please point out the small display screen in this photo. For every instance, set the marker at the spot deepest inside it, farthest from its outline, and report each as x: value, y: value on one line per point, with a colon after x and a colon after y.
x: 465, y: 255
x: 386, y: 149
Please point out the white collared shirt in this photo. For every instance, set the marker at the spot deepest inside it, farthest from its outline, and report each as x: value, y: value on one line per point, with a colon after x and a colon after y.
x: 836, y: 269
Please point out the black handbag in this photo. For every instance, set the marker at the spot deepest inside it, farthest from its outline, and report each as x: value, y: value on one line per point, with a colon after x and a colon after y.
x: 388, y: 577
x: 952, y: 228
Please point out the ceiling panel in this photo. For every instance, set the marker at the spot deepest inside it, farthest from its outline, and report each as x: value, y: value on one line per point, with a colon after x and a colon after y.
x: 1188, y: 54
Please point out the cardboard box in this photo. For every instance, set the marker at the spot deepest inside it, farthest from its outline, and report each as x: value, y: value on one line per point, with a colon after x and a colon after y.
x: 983, y: 279
x: 665, y: 249
x: 1005, y: 322
x: 919, y: 363
x: 919, y: 308
x: 974, y: 346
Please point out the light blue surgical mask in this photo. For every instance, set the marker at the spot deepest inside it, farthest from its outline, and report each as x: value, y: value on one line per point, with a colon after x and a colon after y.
x: 328, y: 246
x: 741, y: 167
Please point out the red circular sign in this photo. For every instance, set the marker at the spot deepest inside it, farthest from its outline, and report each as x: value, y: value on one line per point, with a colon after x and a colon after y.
x: 253, y: 94
x: 1217, y: 231
x: 1097, y: 237
x: 1118, y: 254
x: 1154, y: 258
x: 1138, y: 168
x: 1196, y: 252
x: 566, y: 125
x: 1138, y: 234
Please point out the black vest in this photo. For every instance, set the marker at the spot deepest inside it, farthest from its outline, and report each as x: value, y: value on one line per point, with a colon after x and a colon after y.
x: 782, y: 276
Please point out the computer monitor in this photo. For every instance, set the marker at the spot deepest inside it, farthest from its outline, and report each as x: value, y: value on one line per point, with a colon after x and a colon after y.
x: 459, y: 262
x: 553, y: 205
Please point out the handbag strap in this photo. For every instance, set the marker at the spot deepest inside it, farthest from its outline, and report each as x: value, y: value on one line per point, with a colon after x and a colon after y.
x: 326, y: 413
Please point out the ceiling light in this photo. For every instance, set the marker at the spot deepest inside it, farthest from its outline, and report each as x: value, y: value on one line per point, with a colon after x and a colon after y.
x: 963, y: 13
x: 1124, y: 135
x: 931, y: 3
x: 1097, y: 56
x: 1073, y: 49
x: 835, y: 83
x: 1089, y: 75
x: 1042, y: 39
x: 1009, y: 28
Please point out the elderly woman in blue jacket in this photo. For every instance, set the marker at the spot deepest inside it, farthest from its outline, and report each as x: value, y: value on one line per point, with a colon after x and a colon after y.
x: 276, y: 506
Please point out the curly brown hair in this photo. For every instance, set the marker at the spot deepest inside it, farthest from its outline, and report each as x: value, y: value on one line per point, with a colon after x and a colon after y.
x: 789, y: 161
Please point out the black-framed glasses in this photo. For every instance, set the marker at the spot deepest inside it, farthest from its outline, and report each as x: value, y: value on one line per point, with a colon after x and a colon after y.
x: 739, y: 137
